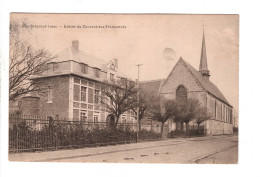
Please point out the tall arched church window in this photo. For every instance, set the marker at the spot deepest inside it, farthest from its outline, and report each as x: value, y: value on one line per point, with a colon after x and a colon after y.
x: 181, y: 93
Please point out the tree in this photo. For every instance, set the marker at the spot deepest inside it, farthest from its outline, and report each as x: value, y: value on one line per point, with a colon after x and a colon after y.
x: 187, y: 110
x: 192, y: 109
x: 203, y: 115
x: 118, y: 97
x: 144, y: 103
x: 24, y: 62
x: 163, y: 110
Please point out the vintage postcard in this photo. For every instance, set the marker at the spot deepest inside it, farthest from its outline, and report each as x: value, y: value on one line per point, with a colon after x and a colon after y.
x: 123, y: 88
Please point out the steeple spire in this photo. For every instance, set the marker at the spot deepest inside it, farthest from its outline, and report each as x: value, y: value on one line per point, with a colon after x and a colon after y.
x: 203, y: 59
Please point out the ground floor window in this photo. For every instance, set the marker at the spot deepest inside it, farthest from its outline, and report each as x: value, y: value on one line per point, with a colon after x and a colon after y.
x: 96, y: 118
x: 83, y: 116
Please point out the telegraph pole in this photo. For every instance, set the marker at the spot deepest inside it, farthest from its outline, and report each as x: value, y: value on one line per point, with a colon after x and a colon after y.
x: 138, y: 97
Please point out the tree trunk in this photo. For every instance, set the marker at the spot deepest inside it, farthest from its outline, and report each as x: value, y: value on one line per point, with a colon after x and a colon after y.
x: 117, y: 118
x: 140, y: 125
x: 181, y: 125
x: 162, y: 126
x: 187, y: 126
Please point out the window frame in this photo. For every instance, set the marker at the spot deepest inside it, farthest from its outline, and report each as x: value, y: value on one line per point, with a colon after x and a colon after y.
x: 50, y: 95
x: 84, y: 68
x: 83, y: 93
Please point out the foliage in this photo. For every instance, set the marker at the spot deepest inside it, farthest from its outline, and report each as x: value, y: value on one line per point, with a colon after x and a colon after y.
x: 192, y: 132
x: 163, y: 110
x: 148, y: 135
x: 203, y: 115
x: 143, y: 104
x: 66, y: 135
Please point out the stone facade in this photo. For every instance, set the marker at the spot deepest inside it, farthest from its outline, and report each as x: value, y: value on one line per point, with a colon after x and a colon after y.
x: 181, y: 75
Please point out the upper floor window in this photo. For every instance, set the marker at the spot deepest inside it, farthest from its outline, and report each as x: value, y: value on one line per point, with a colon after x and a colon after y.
x: 84, y: 68
x: 52, y: 67
x: 97, y: 72
x: 83, y: 93
x: 50, y: 95
x: 96, y: 96
x: 111, y: 76
x: 181, y: 93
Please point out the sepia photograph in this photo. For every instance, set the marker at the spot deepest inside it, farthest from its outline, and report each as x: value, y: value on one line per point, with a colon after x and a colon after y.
x: 124, y: 88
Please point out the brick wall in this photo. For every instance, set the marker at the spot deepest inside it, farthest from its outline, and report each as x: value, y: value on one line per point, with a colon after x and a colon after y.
x: 60, y: 101
x: 29, y: 105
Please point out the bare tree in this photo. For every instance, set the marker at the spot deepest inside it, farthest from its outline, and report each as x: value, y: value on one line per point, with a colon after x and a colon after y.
x: 203, y: 115
x: 163, y: 110
x: 24, y: 62
x: 118, y: 97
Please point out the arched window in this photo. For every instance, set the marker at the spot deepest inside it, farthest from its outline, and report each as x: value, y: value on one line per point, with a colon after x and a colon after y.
x: 181, y: 93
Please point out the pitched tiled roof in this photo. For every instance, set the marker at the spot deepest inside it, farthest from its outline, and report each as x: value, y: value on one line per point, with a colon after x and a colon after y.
x: 205, y: 83
x: 81, y: 57
x: 152, y: 86
x: 84, y: 57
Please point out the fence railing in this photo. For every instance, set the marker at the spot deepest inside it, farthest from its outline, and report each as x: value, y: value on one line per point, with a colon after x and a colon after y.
x: 40, y: 133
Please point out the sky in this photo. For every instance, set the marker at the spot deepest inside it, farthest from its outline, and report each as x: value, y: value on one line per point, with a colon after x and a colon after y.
x: 155, y: 41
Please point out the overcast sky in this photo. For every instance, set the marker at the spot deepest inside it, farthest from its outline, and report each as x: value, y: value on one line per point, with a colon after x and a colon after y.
x: 156, y: 41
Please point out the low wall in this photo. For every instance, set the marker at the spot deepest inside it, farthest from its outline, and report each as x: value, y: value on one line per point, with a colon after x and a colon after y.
x: 215, y: 127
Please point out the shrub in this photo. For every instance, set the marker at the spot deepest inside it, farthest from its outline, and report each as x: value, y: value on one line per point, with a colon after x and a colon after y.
x: 58, y: 135
x: 149, y: 135
x: 189, y: 133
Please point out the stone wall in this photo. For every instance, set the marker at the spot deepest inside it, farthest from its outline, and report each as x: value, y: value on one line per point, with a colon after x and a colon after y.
x: 180, y: 75
x: 215, y: 127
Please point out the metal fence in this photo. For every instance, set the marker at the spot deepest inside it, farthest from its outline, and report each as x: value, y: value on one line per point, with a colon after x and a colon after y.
x: 41, y: 133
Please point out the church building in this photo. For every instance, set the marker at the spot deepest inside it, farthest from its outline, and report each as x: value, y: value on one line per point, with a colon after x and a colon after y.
x: 184, y: 81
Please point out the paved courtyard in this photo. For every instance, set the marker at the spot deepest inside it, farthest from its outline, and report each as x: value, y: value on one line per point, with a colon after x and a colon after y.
x: 215, y: 149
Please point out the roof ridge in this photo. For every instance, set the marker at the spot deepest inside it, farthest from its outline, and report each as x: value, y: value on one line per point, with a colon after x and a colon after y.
x: 189, y: 66
x: 151, y: 80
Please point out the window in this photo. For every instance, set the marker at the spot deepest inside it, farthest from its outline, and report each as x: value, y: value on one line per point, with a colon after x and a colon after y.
x: 123, y: 119
x: 84, y: 68
x: 52, y: 67
x: 83, y: 116
x: 95, y: 118
x: 50, y: 95
x: 96, y: 96
x: 97, y: 72
x: 181, y: 93
x: 111, y: 76
x: 83, y: 93
x: 76, y: 80
x: 76, y: 92
x: 90, y: 95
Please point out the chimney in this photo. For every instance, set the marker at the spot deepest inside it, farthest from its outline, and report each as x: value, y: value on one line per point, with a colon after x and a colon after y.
x: 75, y: 45
x: 116, y: 63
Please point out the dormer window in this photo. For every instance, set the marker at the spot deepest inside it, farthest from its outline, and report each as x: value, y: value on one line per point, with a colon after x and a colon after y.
x: 111, y: 76
x: 97, y: 72
x: 84, y: 68
x: 52, y: 67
